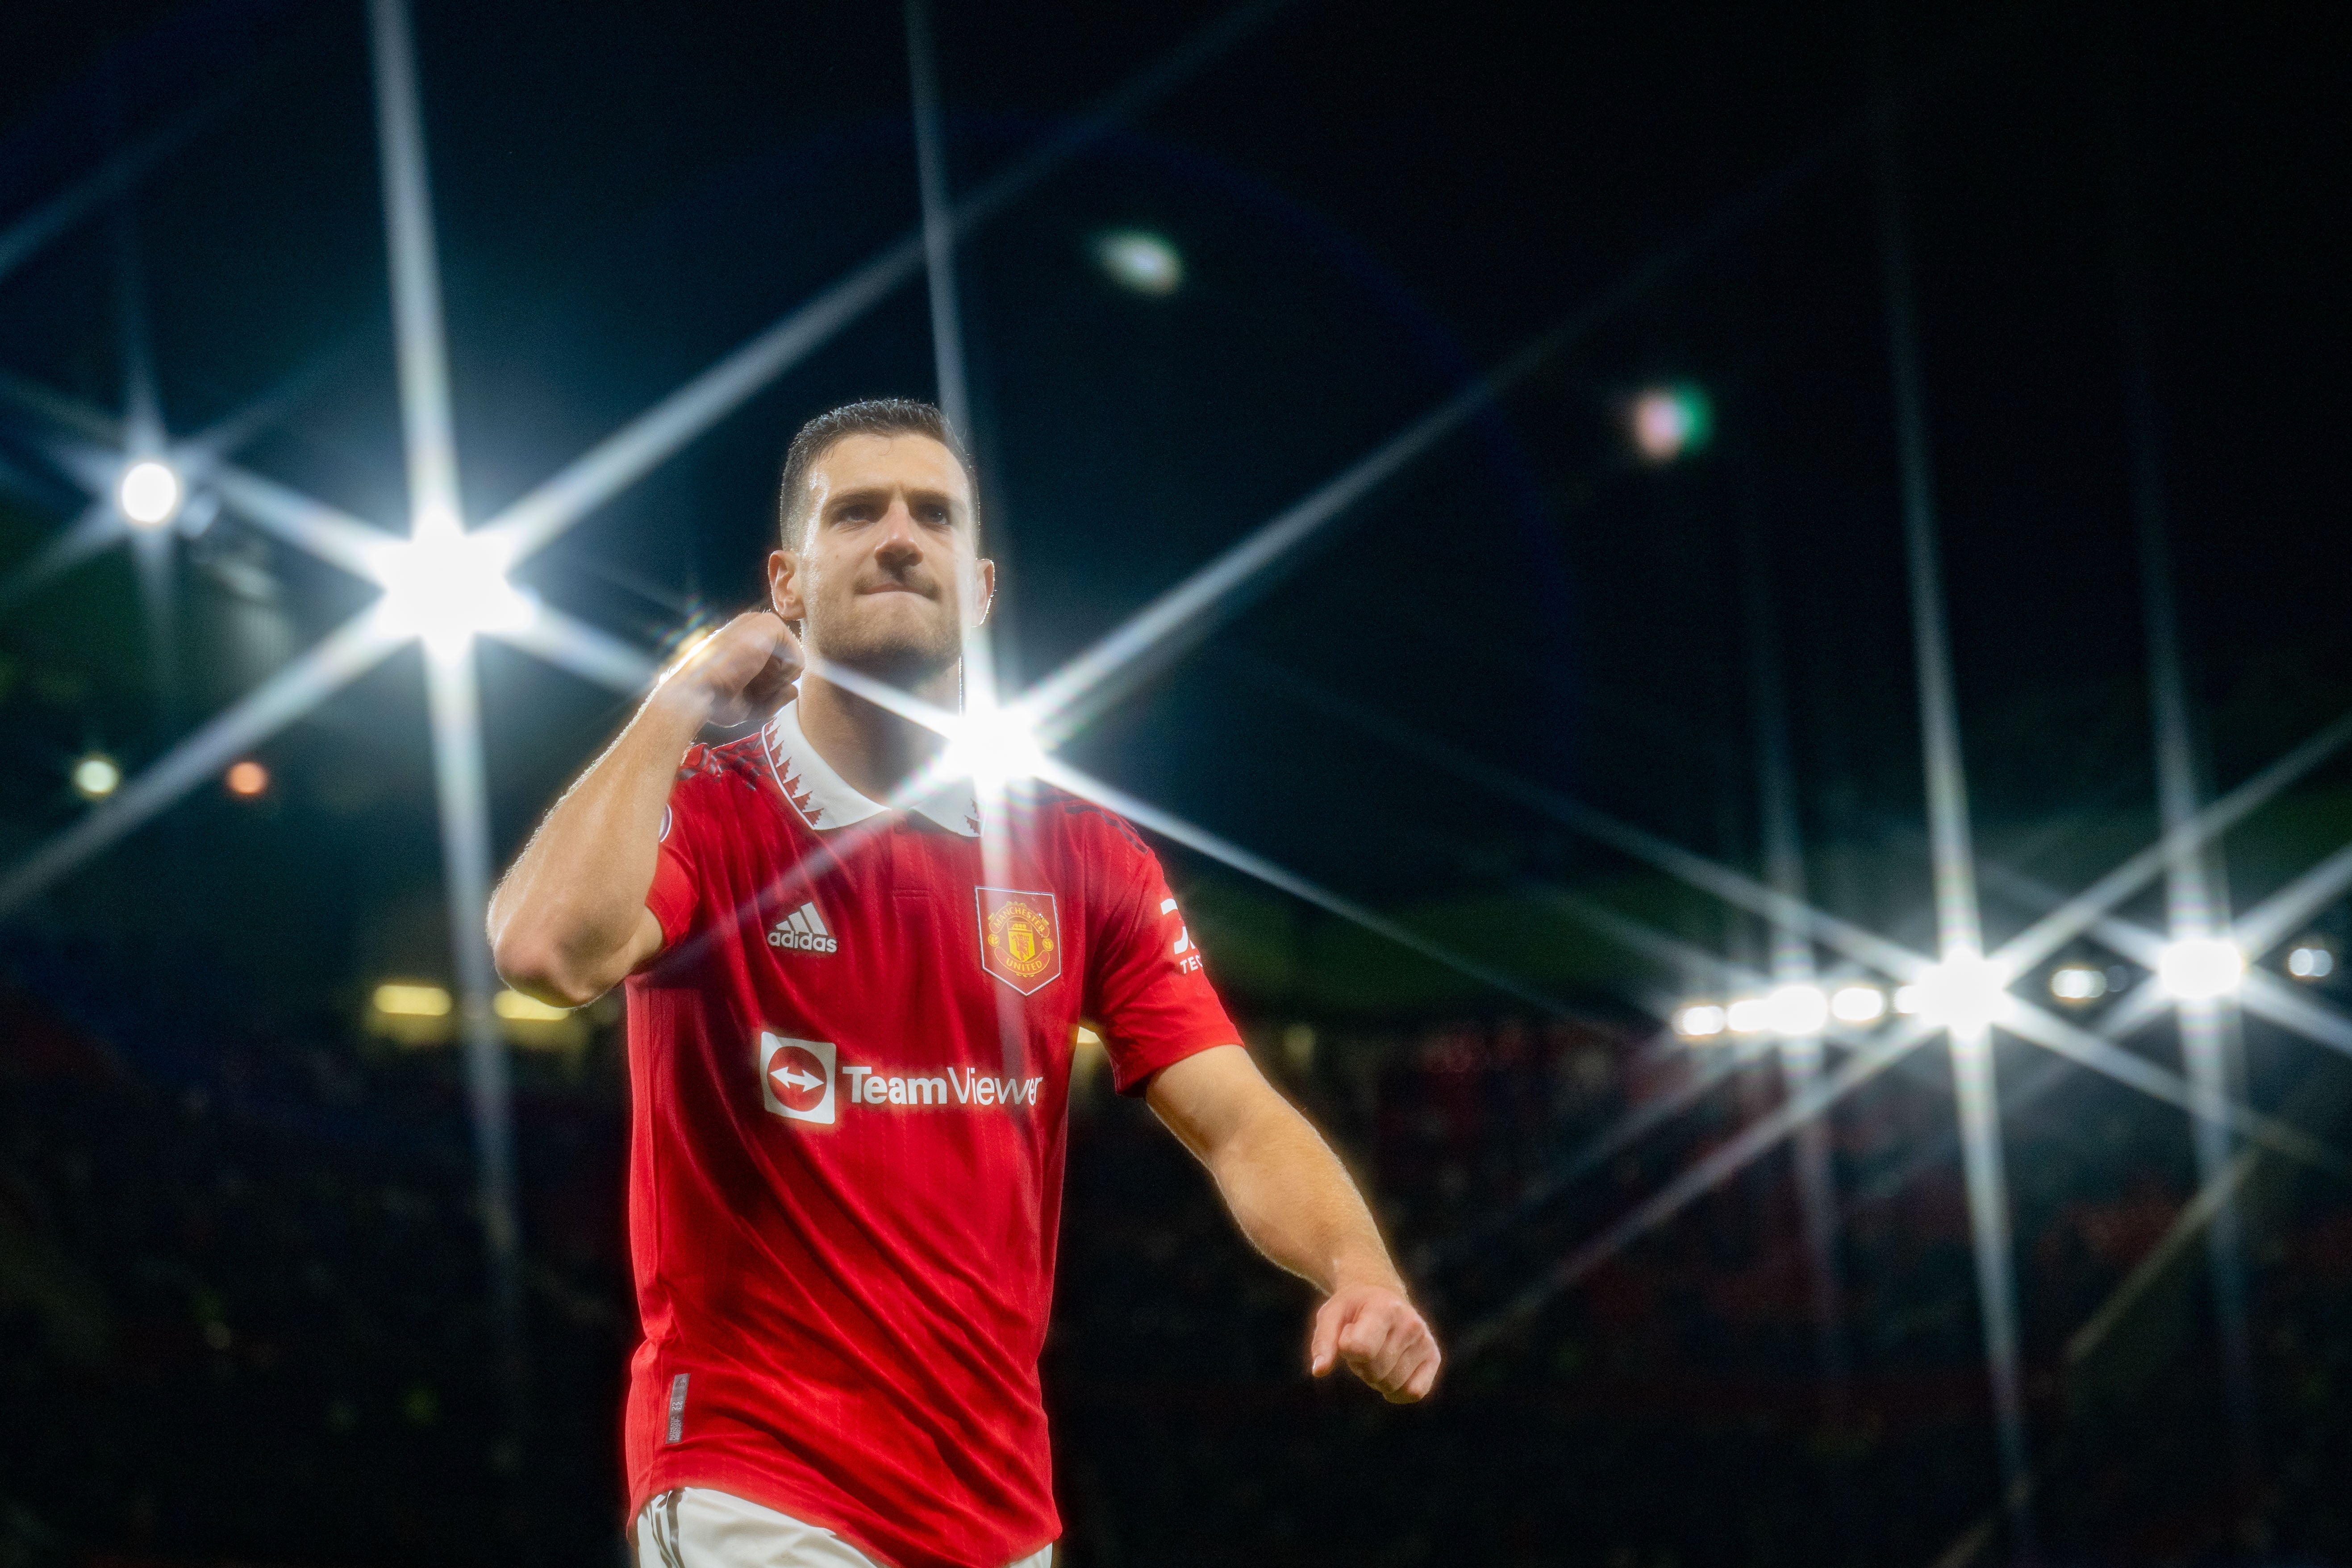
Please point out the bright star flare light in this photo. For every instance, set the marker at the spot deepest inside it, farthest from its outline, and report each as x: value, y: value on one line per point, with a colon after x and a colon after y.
x: 1967, y: 993
x: 444, y: 586
x: 2200, y: 969
x: 150, y: 494
x: 995, y: 746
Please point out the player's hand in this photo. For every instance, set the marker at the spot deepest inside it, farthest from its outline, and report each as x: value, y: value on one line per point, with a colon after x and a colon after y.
x: 1382, y: 1339
x: 745, y: 670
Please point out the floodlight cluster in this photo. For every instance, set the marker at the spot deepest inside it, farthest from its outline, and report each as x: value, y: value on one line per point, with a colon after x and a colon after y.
x: 1966, y: 993
x: 1792, y: 1012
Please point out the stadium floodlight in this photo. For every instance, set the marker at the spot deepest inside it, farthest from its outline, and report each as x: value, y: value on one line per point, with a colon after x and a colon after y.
x: 2200, y: 968
x: 247, y: 779
x: 1796, y: 1012
x: 1858, y: 1003
x: 1699, y: 1021
x: 1141, y: 262
x: 1671, y: 421
x: 2310, y: 960
x: 444, y: 584
x: 96, y: 776
x: 150, y: 494
x: 1748, y: 1015
x: 1906, y: 1000
x: 2078, y: 983
x: 412, y: 999
x: 1967, y: 993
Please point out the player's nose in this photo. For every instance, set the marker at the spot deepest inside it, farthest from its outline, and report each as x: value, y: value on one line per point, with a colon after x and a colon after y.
x: 900, y: 540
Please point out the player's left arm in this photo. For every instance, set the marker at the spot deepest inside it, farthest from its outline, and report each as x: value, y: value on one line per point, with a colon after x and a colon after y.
x: 1293, y: 1200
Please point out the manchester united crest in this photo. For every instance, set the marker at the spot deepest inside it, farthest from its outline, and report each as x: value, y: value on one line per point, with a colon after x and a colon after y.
x: 1019, y: 938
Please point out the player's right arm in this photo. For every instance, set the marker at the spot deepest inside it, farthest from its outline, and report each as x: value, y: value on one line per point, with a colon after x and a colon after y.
x: 570, y: 920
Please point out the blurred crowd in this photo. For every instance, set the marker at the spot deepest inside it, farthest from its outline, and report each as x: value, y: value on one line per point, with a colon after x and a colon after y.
x: 243, y: 1315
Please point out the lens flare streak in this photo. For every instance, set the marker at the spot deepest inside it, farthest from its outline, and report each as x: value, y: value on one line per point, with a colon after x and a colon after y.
x: 346, y: 655
x: 98, y: 529
x: 1169, y: 826
x: 442, y: 574
x: 1752, y: 1141
x: 654, y: 437
x: 594, y: 655
x: 335, y: 537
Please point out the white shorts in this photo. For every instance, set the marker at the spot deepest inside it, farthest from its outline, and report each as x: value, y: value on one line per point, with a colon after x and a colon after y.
x: 695, y: 1527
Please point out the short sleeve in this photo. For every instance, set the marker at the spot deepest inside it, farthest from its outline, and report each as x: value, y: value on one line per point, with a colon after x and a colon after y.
x: 1150, y: 995
x: 675, y: 897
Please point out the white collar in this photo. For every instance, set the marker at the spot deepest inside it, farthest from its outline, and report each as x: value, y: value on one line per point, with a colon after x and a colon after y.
x: 825, y: 800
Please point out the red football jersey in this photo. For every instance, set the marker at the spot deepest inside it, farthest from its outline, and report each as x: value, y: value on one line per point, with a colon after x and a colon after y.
x: 850, y: 1068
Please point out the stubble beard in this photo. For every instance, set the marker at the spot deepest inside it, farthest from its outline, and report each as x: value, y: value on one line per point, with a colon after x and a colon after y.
x: 904, y: 657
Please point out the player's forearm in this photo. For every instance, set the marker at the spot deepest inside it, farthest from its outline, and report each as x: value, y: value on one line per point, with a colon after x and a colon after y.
x: 1295, y: 1203
x: 563, y: 922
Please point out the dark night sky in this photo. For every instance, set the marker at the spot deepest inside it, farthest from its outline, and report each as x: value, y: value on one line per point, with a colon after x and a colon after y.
x: 1372, y: 203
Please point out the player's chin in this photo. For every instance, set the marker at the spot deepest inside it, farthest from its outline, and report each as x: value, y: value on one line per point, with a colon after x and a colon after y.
x: 902, y: 643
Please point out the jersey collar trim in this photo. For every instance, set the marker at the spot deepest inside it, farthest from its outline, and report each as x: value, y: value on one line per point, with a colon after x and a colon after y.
x: 824, y: 800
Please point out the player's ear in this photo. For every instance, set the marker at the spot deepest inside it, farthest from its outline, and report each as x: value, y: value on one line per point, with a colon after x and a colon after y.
x: 785, y: 585
x: 984, y: 579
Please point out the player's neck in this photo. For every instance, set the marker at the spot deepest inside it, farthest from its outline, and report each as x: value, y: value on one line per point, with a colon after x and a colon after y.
x: 874, y: 750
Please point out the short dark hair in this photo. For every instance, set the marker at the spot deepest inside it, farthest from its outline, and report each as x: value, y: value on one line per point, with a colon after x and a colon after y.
x: 870, y: 416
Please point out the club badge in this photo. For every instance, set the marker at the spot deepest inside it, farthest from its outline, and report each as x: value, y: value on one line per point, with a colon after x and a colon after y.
x: 1019, y: 938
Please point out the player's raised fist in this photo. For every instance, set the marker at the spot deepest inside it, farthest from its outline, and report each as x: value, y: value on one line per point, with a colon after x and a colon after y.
x: 1382, y: 1338
x: 744, y: 671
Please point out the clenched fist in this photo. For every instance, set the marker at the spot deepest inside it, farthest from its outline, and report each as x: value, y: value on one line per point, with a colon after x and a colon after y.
x: 1381, y: 1337
x: 745, y: 670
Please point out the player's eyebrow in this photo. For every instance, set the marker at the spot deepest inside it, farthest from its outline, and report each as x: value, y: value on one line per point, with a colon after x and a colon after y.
x: 880, y: 494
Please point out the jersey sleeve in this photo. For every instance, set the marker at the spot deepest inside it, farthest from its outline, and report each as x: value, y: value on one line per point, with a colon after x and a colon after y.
x: 676, y: 897
x: 1149, y: 995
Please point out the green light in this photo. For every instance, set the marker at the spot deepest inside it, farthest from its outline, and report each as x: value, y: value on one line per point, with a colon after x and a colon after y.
x: 1671, y: 421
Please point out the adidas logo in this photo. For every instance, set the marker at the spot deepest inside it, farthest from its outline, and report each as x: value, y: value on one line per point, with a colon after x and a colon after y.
x: 804, y: 932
